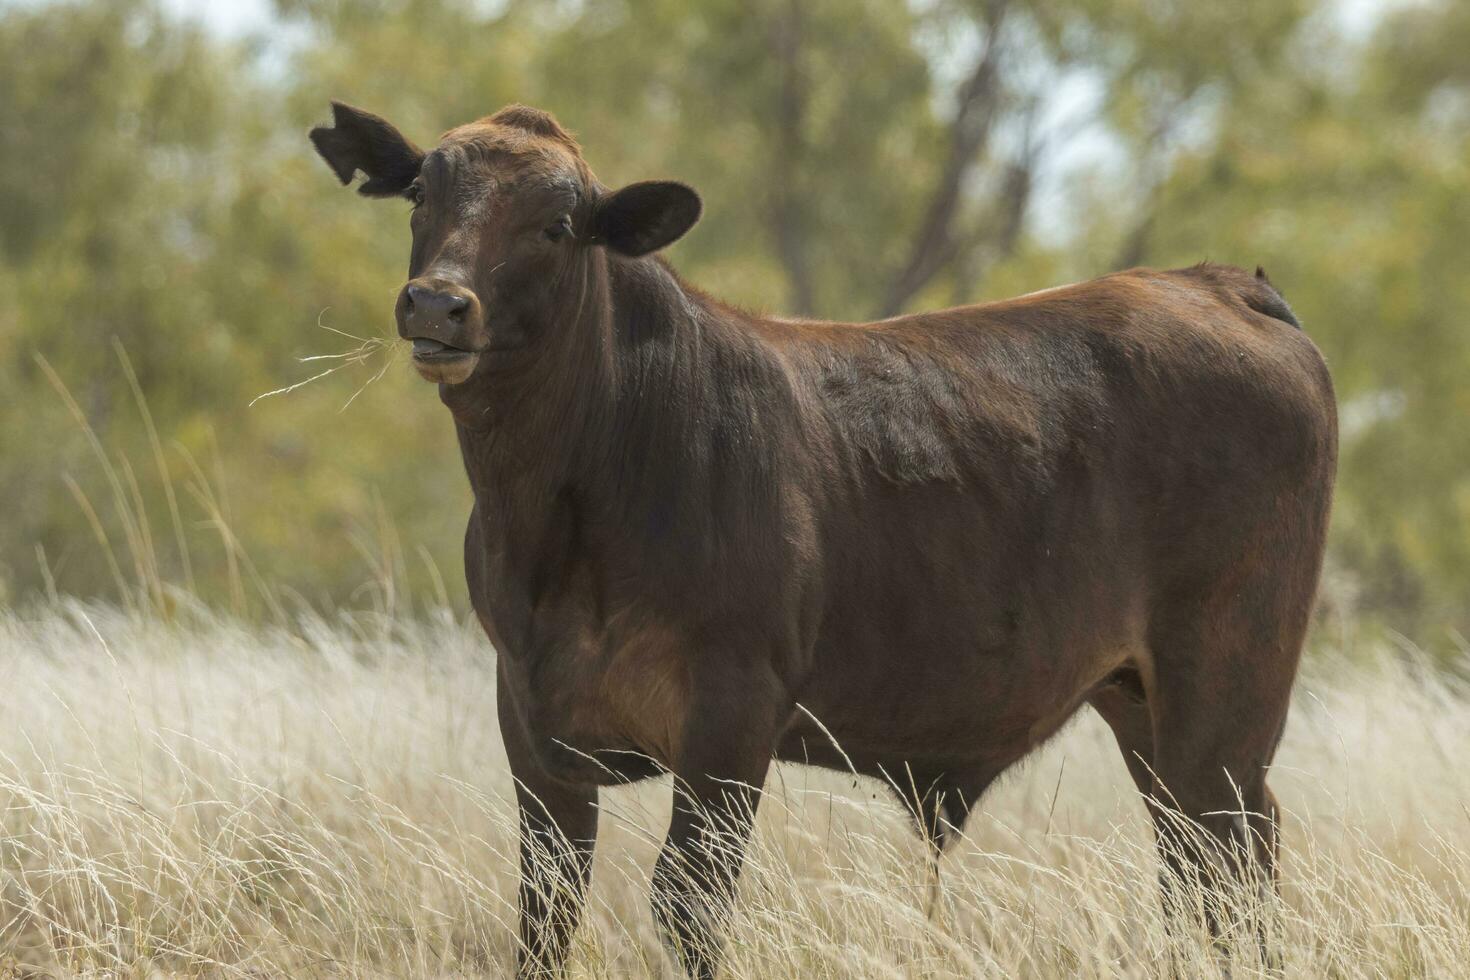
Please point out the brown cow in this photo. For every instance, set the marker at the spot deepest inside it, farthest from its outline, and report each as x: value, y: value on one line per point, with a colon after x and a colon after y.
x: 703, y: 538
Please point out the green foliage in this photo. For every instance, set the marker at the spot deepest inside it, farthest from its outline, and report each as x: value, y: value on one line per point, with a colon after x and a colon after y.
x: 1355, y: 194
x: 157, y: 196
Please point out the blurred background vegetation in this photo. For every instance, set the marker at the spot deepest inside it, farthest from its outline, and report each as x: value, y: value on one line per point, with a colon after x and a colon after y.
x: 165, y: 231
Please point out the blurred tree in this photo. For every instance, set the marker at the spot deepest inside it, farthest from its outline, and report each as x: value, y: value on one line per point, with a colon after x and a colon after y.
x: 877, y: 148
x: 111, y: 115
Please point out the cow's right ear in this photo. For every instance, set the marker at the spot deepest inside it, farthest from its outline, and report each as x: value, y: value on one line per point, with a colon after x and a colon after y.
x: 359, y: 140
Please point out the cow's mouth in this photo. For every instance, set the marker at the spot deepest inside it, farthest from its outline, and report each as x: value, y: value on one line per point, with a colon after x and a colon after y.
x: 442, y: 363
x: 432, y: 351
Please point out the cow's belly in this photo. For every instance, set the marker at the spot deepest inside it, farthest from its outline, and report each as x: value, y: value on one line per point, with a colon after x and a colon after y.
x: 982, y: 712
x: 970, y: 673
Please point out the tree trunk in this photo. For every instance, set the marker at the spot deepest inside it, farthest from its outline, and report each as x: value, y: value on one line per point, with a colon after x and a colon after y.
x: 787, y: 217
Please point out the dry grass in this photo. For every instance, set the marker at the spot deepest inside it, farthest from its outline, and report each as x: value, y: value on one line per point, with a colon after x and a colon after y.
x: 206, y: 799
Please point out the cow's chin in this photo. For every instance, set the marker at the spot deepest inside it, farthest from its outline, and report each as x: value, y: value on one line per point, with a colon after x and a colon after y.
x: 447, y: 372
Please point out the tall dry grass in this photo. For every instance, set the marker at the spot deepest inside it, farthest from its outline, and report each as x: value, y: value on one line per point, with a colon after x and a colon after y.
x: 331, y: 798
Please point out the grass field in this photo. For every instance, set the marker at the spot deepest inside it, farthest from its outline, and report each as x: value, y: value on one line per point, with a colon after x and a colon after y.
x: 210, y: 799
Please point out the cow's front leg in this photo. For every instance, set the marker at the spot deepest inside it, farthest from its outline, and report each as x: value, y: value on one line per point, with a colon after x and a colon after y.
x: 558, y: 827
x: 717, y: 784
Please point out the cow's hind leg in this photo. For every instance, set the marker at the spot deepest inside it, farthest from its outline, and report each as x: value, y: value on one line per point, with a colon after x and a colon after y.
x: 1123, y: 703
x: 1218, y: 697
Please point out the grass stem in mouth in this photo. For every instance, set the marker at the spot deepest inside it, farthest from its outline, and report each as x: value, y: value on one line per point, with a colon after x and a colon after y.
x: 367, y: 348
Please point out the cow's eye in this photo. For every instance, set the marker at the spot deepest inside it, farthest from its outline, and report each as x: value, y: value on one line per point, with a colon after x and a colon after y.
x: 559, y: 229
x: 416, y: 194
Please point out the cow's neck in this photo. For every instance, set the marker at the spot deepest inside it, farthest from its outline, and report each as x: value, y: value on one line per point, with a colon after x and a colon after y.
x: 597, y: 428
x: 525, y: 426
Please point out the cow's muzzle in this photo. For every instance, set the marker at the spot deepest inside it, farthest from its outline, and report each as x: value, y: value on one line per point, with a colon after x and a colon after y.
x: 443, y: 321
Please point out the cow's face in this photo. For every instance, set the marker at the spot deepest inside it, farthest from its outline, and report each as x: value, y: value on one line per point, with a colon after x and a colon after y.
x: 505, y: 218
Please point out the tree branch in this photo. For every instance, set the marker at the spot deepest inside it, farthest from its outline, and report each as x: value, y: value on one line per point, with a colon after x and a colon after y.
x: 978, y: 105
x: 787, y: 217
x: 1153, y: 172
x: 1000, y: 234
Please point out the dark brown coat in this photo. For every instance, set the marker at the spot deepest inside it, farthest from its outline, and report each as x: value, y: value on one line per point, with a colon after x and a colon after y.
x: 703, y: 537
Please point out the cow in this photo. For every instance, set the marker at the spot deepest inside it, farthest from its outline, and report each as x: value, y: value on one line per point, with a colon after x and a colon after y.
x: 704, y: 539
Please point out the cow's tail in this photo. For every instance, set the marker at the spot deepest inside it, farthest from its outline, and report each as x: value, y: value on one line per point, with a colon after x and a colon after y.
x: 1262, y: 297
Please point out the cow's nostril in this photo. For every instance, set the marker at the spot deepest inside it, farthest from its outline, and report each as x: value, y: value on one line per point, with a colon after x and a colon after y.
x: 415, y: 297
x: 425, y: 308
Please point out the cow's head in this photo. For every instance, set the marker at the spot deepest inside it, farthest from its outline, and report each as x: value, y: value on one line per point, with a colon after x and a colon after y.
x: 505, y: 218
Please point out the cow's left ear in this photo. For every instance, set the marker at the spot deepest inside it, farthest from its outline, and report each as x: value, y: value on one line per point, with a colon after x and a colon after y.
x: 358, y: 140
x: 646, y: 216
